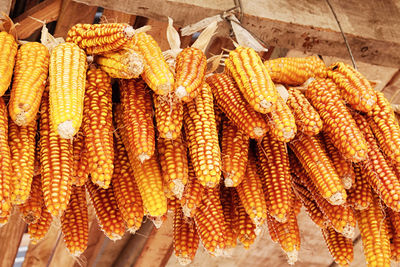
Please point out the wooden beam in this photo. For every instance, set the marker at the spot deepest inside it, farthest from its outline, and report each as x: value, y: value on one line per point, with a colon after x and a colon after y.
x: 372, y: 33
x: 116, y: 16
x: 5, y: 6
x: 28, y: 23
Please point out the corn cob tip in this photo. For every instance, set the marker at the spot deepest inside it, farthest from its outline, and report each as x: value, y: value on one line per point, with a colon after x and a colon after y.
x: 186, y: 210
x: 292, y: 256
x: 347, y: 181
x: 228, y: 182
x: 178, y: 188
x: 129, y: 31
x: 66, y: 130
x: 348, y: 231
x: 180, y: 92
x: 337, y: 199
x: 134, y: 64
x: 265, y: 104
x: 282, y: 218
x: 114, y: 236
x: 358, y: 206
x: 20, y: 119
x: 89, y: 59
x: 142, y: 157
x: 258, y: 230
x: 132, y: 230
x: 258, y: 131
x: 157, y: 221
x: 184, y: 260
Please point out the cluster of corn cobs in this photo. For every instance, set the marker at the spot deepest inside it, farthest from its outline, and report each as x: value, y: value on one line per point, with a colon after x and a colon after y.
x: 227, y: 153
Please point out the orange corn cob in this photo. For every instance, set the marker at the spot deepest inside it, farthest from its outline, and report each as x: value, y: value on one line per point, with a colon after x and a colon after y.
x: 190, y: 69
x: 4, y: 220
x: 174, y: 164
x: 169, y: 116
x: 219, y: 116
x: 354, y: 87
x: 274, y: 163
x: 360, y: 194
x: 38, y: 230
x: 31, y: 210
x: 295, y: 71
x: 80, y: 164
x: 314, y: 159
x: 193, y: 193
x: 5, y: 163
x: 55, y: 161
x: 97, y: 127
x: 22, y: 147
x: 340, y: 247
x: 30, y: 75
x: 173, y: 203
x: 393, y: 222
x: 307, y: 118
x: 202, y: 137
x: 252, y: 78
x: 108, y: 215
x: 137, y: 118
x: 246, y: 229
x: 234, y: 150
x: 8, y: 48
x: 296, y: 203
x: 100, y: 38
x: 338, y: 123
x: 230, y: 215
x: 74, y: 222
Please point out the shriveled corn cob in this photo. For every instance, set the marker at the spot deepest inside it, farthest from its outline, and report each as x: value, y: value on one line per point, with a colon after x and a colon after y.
x: 314, y: 159
x: 193, y: 193
x: 67, y: 75
x: 353, y: 86
x: 5, y: 163
x: 234, y: 150
x: 137, y: 118
x: 80, y: 170
x: 340, y: 247
x: 174, y: 164
x: 246, y: 229
x: 190, y: 69
x: 360, y: 195
x: 100, y: 38
x: 30, y: 75
x: 295, y: 71
x: 169, y: 116
x: 97, y: 127
x: 230, y: 215
x: 38, y: 230
x: 55, y: 161
x: 252, y: 78
x: 108, y: 215
x: 31, y: 210
x: 202, y: 137
x: 307, y: 118
x: 393, y: 222
x: 8, y: 48
x: 338, y: 123
x: 74, y: 222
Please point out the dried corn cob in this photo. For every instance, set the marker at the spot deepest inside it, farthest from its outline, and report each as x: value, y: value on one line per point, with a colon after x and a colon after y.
x: 307, y: 118
x: 393, y: 222
x: 100, y: 38
x: 313, y: 157
x: 67, y: 74
x: 108, y: 215
x: 230, y: 215
x: 232, y: 103
x: 219, y: 116
x: 169, y: 116
x: 340, y: 247
x: 4, y: 220
x: 137, y: 118
x: 5, y: 163
x: 354, y: 87
x: 234, y: 150
x: 8, y: 48
x: 246, y: 229
x: 38, y: 230
x: 55, y: 162
x: 190, y: 69
x: 174, y: 164
x: 338, y: 123
x: 30, y: 75
x: 360, y: 194
x: 295, y: 71
x: 192, y: 194
x: 202, y: 137
x: 173, y: 204
x: 32, y: 208
x: 80, y: 171
x: 74, y: 222
x: 22, y: 147
x: 97, y: 127
x: 252, y: 78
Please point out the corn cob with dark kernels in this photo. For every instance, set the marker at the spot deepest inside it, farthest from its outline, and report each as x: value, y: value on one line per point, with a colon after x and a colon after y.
x: 340, y: 247
x: 5, y: 163
x: 193, y: 193
x: 169, y: 116
x: 360, y: 194
x: 31, y: 210
x: 80, y: 171
x: 38, y: 230
x: 8, y: 48
x: 229, y: 208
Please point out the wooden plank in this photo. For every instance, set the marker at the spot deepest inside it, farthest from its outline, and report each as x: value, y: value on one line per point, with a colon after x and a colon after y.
x: 48, y: 11
x: 5, y: 7
x: 111, y: 16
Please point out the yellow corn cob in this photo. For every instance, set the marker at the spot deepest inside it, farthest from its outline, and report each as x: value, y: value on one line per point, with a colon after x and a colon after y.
x: 360, y: 195
x: 202, y: 137
x: 374, y: 234
x: 122, y: 64
x: 252, y: 78
x: 307, y: 118
x: 32, y: 208
x: 169, y: 116
x: 156, y: 73
x: 30, y: 75
x: 385, y: 127
x: 379, y: 174
x: 74, y: 222
x: 100, y: 38
x: 274, y: 163
x: 340, y: 247
x: 393, y: 222
x: 174, y: 164
x: 55, y: 161
x: 338, y: 123
x: 193, y: 193
x: 126, y: 191
x: 108, y: 215
x: 229, y: 99
x: 38, y: 230
x: 314, y: 159
x: 137, y: 118
x: 354, y: 87
x: 251, y: 193
x: 8, y: 48
x: 234, y: 150
x: 22, y: 147
x: 295, y: 71
x: 186, y: 238
x: 97, y: 127
x: 67, y: 75
x: 80, y: 171
x: 190, y: 69
x: 5, y: 163
x: 230, y: 215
